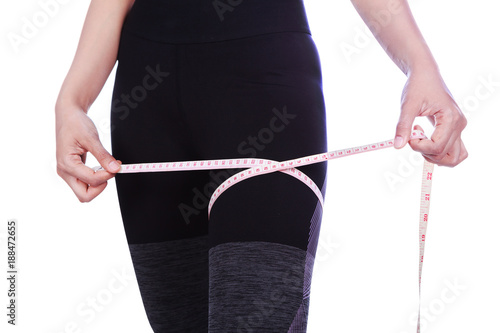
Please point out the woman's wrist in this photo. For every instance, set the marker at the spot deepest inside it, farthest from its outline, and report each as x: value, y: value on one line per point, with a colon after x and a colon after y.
x: 66, y: 109
x: 65, y: 104
x: 421, y: 62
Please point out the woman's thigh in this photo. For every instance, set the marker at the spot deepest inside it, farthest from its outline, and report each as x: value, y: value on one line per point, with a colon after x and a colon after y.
x: 259, y: 97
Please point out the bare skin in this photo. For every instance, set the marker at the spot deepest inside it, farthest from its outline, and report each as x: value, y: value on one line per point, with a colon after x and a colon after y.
x: 76, y: 134
x: 425, y: 93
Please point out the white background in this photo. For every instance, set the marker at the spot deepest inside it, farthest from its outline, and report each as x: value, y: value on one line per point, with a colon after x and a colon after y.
x: 365, y: 276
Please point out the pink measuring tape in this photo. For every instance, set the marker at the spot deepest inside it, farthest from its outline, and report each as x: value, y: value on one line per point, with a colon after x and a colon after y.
x: 257, y: 166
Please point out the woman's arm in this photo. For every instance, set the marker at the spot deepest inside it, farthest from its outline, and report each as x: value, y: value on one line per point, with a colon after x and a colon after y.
x: 425, y: 93
x: 75, y: 132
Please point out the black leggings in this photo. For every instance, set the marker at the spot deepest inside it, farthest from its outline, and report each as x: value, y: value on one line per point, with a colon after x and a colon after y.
x: 248, y: 268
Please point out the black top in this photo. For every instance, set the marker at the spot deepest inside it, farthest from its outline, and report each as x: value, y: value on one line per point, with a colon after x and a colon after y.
x: 196, y: 21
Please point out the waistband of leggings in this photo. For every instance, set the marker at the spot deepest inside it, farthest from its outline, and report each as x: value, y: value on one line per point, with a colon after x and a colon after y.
x: 198, y: 21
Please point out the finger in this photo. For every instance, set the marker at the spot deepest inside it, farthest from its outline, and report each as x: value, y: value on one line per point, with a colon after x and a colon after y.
x: 83, y: 192
x: 419, y: 128
x: 105, y: 159
x: 77, y: 169
x: 443, y: 138
x: 413, y: 141
x: 405, y: 122
x: 445, y: 161
x: 455, y: 155
x: 463, y: 152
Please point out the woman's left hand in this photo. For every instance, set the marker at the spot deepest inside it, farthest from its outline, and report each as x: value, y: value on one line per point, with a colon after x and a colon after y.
x: 425, y: 94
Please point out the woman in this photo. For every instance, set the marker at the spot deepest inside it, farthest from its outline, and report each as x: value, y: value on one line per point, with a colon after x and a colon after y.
x: 200, y: 80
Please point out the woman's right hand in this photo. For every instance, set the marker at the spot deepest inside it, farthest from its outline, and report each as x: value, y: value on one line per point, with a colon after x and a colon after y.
x: 76, y: 135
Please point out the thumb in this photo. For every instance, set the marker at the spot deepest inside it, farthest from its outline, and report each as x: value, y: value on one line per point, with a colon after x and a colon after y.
x: 403, y: 128
x: 104, y: 158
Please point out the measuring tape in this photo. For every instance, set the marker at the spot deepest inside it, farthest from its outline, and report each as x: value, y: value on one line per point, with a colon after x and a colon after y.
x: 257, y: 166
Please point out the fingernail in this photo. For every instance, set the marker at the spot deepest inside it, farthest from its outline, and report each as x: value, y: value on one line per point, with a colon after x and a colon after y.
x: 114, y: 166
x: 398, y: 143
